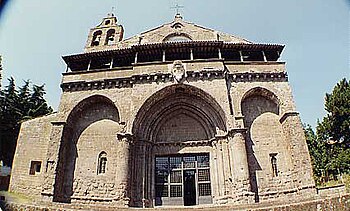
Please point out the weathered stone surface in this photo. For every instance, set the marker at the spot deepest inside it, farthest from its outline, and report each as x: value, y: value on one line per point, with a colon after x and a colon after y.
x: 100, y: 148
x: 339, y: 203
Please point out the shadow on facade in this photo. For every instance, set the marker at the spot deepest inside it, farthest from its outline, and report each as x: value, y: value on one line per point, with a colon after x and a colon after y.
x: 256, y: 102
x: 87, y: 112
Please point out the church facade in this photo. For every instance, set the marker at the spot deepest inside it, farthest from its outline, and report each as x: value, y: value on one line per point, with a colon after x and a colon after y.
x: 177, y: 115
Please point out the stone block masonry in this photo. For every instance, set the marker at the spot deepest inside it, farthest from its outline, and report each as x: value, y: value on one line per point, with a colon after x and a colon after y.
x: 179, y: 115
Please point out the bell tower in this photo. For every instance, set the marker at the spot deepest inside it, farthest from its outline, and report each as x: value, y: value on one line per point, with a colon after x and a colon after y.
x: 106, y: 35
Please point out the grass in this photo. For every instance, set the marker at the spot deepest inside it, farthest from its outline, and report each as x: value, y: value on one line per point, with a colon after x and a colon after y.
x: 15, y: 197
x: 345, y: 181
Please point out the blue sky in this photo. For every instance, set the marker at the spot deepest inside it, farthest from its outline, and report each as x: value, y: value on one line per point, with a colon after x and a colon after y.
x: 34, y: 34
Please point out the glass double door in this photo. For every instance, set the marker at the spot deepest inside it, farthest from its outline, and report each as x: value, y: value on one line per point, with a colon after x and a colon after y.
x: 182, y: 179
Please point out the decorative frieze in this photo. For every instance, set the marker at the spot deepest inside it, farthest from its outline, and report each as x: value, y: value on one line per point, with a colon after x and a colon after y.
x: 254, y: 77
x: 204, y: 74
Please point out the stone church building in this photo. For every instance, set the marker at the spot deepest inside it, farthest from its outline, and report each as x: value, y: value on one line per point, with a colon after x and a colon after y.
x: 178, y: 115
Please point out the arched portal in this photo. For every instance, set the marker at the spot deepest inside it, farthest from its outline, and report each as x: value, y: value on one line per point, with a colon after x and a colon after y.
x: 172, y: 130
x: 90, y: 128
x: 181, y: 102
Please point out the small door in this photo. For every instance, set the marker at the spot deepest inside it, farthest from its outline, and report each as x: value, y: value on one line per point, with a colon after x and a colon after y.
x: 189, y: 187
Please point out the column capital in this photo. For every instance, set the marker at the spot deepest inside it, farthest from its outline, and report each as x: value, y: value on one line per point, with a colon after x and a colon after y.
x: 125, y: 137
x: 237, y: 131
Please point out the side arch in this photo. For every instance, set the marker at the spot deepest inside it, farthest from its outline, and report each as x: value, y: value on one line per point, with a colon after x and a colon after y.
x: 261, y: 110
x: 256, y: 101
x: 90, y: 116
x: 263, y: 92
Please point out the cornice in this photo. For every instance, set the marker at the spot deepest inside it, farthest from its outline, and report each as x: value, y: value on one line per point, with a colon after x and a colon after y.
x: 204, y: 74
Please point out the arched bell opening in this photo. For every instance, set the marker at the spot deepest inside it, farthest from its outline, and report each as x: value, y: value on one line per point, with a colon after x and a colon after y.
x: 173, y: 130
x: 92, y: 121
x: 110, y: 38
x: 96, y: 38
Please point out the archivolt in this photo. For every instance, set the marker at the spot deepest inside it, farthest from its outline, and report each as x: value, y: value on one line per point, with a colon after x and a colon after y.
x: 174, y: 100
x: 89, y: 110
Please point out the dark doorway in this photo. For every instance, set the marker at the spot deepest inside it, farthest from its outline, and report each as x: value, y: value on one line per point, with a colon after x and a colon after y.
x: 189, y: 187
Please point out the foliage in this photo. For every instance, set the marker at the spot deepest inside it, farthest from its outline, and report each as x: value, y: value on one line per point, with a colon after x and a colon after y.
x: 336, y: 124
x: 16, y: 106
x: 330, y: 146
x: 317, y: 150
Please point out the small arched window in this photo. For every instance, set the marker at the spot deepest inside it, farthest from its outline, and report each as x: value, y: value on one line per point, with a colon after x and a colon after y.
x: 110, y: 38
x: 96, y: 38
x: 102, y: 163
x: 274, y: 164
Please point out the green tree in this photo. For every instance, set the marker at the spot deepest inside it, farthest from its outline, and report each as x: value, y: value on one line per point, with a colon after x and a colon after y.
x: 336, y: 125
x: 16, y: 106
x: 334, y: 130
x: 317, y: 150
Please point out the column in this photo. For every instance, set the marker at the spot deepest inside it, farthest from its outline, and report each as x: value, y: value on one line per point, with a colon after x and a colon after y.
x: 238, y: 153
x: 89, y: 65
x: 147, y: 195
x: 136, y: 54
x: 111, y: 64
x: 163, y: 58
x: 214, y: 171
x: 123, y: 171
x: 264, y: 56
x: 226, y: 166
x: 241, y: 56
x: 51, y: 169
x: 220, y: 167
x: 240, y: 167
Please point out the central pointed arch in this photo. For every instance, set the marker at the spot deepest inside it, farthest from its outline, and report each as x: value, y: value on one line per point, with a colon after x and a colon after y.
x: 175, y: 105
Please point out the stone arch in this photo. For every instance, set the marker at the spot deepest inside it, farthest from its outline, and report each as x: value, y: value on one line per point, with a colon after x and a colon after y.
x: 90, y: 114
x: 193, y: 103
x: 110, y: 37
x: 261, y: 109
x: 261, y: 91
x: 96, y: 38
x: 91, y: 103
x: 177, y: 37
x: 264, y: 101
x: 174, y: 118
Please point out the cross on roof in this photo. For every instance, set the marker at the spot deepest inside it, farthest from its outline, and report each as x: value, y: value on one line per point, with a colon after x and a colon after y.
x: 111, y: 14
x: 177, y: 7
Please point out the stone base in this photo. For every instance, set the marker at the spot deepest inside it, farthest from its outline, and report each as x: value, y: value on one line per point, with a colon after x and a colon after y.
x: 339, y: 203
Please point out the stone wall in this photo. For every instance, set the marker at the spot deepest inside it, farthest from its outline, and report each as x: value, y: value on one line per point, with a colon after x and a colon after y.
x: 32, y: 145
x: 152, y: 108
x: 338, y: 203
x: 334, y: 190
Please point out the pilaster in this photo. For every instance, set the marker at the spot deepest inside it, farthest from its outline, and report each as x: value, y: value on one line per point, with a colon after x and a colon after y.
x: 51, y: 171
x: 302, y: 169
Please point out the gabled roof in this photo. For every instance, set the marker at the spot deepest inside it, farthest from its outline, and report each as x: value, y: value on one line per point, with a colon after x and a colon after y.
x: 179, y: 28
